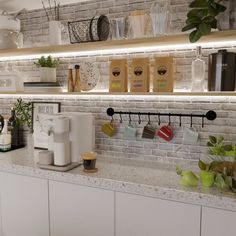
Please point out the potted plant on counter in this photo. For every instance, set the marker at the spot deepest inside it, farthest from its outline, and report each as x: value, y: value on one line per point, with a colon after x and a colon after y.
x: 217, y: 169
x: 47, y: 67
x: 23, y: 112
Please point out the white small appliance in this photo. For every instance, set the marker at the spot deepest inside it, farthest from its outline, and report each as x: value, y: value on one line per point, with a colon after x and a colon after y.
x: 69, y: 135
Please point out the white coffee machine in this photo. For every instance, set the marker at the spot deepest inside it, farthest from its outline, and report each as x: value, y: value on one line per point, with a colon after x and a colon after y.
x: 68, y: 135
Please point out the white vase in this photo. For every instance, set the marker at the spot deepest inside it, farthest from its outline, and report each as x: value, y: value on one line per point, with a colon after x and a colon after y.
x: 48, y: 74
x: 55, y: 28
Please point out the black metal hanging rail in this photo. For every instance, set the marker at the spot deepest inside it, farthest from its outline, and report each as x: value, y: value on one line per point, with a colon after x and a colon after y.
x: 210, y: 115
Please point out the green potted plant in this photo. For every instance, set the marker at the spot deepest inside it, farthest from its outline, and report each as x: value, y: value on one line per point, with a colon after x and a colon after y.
x: 47, y: 67
x: 202, y: 18
x: 217, y: 170
x: 23, y: 112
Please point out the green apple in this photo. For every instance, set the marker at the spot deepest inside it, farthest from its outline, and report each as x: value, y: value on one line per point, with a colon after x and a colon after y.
x: 207, y: 178
x: 189, y: 179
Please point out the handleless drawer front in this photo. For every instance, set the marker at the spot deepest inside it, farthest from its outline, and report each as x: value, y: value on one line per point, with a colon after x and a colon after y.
x: 80, y: 211
x: 139, y: 216
x: 216, y: 222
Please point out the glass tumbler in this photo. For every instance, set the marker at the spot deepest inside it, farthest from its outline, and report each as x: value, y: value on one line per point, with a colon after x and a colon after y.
x: 118, y: 26
x: 160, y: 17
x: 138, y: 24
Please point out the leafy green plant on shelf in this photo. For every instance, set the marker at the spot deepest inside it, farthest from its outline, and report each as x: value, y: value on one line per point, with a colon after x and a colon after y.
x: 47, y: 62
x: 218, y: 173
x: 202, y: 17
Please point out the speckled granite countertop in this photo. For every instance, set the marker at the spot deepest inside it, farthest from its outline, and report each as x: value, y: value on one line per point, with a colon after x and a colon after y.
x: 144, y: 178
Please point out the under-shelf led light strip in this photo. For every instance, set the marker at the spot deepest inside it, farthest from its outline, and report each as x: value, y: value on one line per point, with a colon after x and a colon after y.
x: 125, y: 50
x: 121, y: 97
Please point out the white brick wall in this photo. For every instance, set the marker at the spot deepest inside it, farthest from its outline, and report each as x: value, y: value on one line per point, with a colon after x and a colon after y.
x: 155, y: 149
x: 35, y: 29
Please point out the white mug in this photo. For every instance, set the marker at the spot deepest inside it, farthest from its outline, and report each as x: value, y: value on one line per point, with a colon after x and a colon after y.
x: 190, y: 136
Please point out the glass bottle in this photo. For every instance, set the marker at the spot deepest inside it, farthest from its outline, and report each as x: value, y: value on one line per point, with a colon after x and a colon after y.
x: 198, y: 72
x: 1, y: 123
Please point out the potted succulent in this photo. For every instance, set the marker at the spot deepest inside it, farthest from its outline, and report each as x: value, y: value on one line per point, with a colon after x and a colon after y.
x: 47, y: 67
x: 202, y: 18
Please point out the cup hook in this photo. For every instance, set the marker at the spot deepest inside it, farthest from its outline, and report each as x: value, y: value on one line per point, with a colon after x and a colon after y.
x: 139, y: 118
x: 130, y: 120
x: 191, y: 123
x: 121, y: 120
x: 149, y: 119
x: 180, y: 120
x: 159, y: 119
x: 202, y: 121
x: 169, y: 119
x: 112, y: 119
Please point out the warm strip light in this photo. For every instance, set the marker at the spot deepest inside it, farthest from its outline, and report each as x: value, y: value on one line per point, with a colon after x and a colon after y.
x: 125, y: 50
x: 121, y: 96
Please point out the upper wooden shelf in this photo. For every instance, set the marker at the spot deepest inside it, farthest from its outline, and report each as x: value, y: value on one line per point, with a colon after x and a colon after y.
x: 204, y: 94
x: 135, y: 44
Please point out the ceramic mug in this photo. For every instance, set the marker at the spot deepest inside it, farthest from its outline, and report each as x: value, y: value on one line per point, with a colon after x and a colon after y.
x: 148, y: 132
x: 109, y: 129
x: 166, y: 132
x: 190, y: 136
x: 130, y: 131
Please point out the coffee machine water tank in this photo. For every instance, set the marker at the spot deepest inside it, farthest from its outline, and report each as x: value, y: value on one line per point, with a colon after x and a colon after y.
x: 222, y: 71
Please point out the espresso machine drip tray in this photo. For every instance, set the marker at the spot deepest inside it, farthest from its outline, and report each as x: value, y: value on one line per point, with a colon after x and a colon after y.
x: 60, y: 168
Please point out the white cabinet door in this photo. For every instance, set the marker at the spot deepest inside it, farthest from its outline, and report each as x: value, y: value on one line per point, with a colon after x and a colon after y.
x: 80, y: 211
x: 217, y: 222
x: 144, y: 216
x: 24, y: 205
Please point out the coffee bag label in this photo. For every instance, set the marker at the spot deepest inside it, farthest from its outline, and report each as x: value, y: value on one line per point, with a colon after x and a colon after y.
x: 163, y: 80
x: 139, y: 81
x: 118, y: 76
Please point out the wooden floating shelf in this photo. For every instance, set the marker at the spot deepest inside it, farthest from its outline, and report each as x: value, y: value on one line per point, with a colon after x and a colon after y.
x: 121, y: 94
x: 170, y: 40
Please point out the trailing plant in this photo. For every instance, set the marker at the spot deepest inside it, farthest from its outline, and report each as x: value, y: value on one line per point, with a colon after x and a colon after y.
x: 47, y: 62
x: 217, y: 147
x: 202, y: 18
x: 23, y: 113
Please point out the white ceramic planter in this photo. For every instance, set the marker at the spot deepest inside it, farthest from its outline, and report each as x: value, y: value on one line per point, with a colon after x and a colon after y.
x: 48, y: 74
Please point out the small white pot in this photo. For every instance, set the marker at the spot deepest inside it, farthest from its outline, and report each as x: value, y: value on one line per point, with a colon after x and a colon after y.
x: 48, y: 74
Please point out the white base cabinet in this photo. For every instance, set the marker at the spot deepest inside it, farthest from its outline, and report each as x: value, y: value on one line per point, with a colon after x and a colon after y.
x: 24, y: 205
x: 217, y: 222
x: 139, y: 216
x: 80, y: 211
x: 28, y: 204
